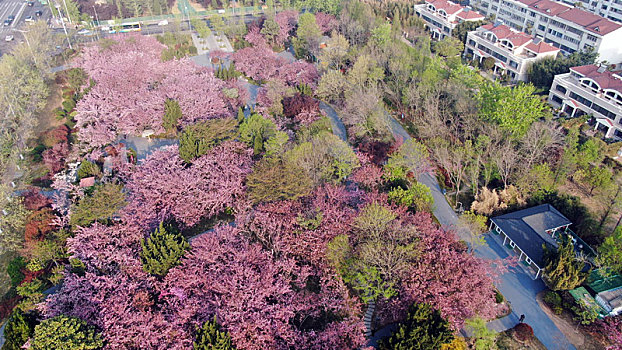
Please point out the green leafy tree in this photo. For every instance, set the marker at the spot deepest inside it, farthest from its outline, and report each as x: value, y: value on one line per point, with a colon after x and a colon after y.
x: 13, y: 223
x: 272, y: 179
x: 18, y: 330
x: 539, y: 178
x: 417, y: 197
x: 270, y: 30
x: 196, y: 140
x: 610, y: 252
x: 103, y: 204
x: 595, y: 177
x: 172, y: 114
x: 541, y: 72
x: 412, y: 157
x: 210, y: 337
x: 463, y: 28
x: 307, y: 35
x: 162, y: 250
x: 514, y: 109
x: 476, y: 226
x: 67, y: 333
x: 255, y: 131
x: 484, y: 337
x: 586, y: 313
x: 423, y: 329
x: 563, y: 271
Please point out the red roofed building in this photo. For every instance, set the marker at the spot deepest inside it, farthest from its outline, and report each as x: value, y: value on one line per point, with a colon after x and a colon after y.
x: 513, y: 51
x: 442, y: 16
x: 594, y: 91
x: 564, y: 26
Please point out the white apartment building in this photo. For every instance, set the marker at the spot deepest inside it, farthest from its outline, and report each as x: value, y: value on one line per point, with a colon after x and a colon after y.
x: 513, y: 51
x: 611, y: 9
x: 590, y: 90
x: 442, y: 16
x: 569, y: 28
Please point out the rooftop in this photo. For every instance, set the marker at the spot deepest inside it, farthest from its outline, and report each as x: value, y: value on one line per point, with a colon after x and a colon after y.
x: 504, y: 32
x: 527, y: 228
x: 450, y: 7
x: 612, y: 297
x: 604, y: 78
x: 590, y: 21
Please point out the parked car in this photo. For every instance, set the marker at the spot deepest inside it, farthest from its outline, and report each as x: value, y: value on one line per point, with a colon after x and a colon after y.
x: 29, y: 19
x: 8, y: 38
x: 31, y: 3
x: 85, y: 32
x: 7, y: 22
x: 163, y: 22
x: 11, y: 17
x: 39, y: 13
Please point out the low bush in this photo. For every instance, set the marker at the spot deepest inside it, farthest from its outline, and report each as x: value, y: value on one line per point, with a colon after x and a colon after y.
x: 554, y: 301
x: 523, y: 332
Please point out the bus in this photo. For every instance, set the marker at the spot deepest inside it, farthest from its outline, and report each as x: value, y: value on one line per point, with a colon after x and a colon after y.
x: 125, y: 27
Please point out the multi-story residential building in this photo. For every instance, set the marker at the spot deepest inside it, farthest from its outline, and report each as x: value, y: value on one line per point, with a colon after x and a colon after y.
x: 513, y: 51
x: 611, y: 9
x: 442, y: 16
x: 594, y: 91
x: 569, y: 28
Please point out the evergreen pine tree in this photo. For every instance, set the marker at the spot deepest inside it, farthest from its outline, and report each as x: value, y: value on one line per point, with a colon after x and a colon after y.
x: 162, y: 250
x: 172, y: 113
x: 564, y: 271
x: 17, y: 330
x: 67, y: 333
x: 210, y: 337
x: 423, y: 329
x: 240, y: 115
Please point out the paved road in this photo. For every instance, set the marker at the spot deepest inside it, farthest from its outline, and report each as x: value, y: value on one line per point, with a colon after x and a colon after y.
x: 517, y: 285
x: 338, y: 128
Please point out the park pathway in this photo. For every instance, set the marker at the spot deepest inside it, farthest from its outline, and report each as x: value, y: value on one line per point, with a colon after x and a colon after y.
x: 516, y: 285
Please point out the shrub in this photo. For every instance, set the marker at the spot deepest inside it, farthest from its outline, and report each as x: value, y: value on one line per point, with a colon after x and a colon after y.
x: 198, y: 139
x: 14, y: 270
x: 88, y: 169
x: 34, y: 200
x: 498, y: 297
x: 63, y: 332
x: 523, y: 332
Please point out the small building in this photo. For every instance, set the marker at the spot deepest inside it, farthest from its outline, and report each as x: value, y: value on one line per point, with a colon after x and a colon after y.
x: 607, y: 292
x: 87, y: 182
x: 441, y: 16
x: 529, y: 230
x: 513, y: 51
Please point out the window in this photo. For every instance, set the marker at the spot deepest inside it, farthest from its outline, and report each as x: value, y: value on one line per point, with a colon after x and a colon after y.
x: 513, y: 64
x: 561, y: 89
x: 557, y: 99
x: 541, y: 27
x: 604, y: 111
x: 471, y: 42
x: 572, y: 40
x: 512, y: 244
x: 580, y: 99
x: 591, y: 37
x: 528, y: 261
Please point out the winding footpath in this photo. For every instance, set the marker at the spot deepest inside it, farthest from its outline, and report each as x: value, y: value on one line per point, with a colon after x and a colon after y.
x: 516, y: 285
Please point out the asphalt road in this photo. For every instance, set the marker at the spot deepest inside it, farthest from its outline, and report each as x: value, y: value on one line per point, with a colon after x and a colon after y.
x: 21, y: 10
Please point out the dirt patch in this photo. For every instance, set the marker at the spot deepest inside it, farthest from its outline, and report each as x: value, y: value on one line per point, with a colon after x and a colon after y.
x: 47, y: 119
x: 564, y: 322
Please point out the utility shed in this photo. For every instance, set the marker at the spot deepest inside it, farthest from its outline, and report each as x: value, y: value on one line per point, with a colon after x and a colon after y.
x: 529, y: 230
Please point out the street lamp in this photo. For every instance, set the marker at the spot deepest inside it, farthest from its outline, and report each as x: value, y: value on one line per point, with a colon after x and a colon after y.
x: 63, y: 23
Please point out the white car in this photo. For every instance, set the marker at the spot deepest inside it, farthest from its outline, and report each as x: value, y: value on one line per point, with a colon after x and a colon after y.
x: 163, y: 22
x: 8, y: 38
x: 29, y: 19
x: 84, y: 32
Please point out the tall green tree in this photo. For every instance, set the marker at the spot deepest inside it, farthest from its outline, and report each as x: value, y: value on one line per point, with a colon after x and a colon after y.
x: 162, y: 250
x: 105, y: 201
x: 255, y: 131
x: 541, y: 73
x: 172, y: 114
x: 18, y: 330
x: 423, y: 329
x: 210, y: 337
x: 67, y: 333
x: 484, y: 337
x: 563, y: 271
x: 610, y: 252
x: 514, y: 109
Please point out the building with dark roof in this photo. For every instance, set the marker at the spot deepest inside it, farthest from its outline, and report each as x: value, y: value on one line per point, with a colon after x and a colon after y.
x: 442, y: 16
x: 513, y: 51
x: 564, y: 26
x: 594, y: 91
x: 530, y: 230
x: 611, y: 9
